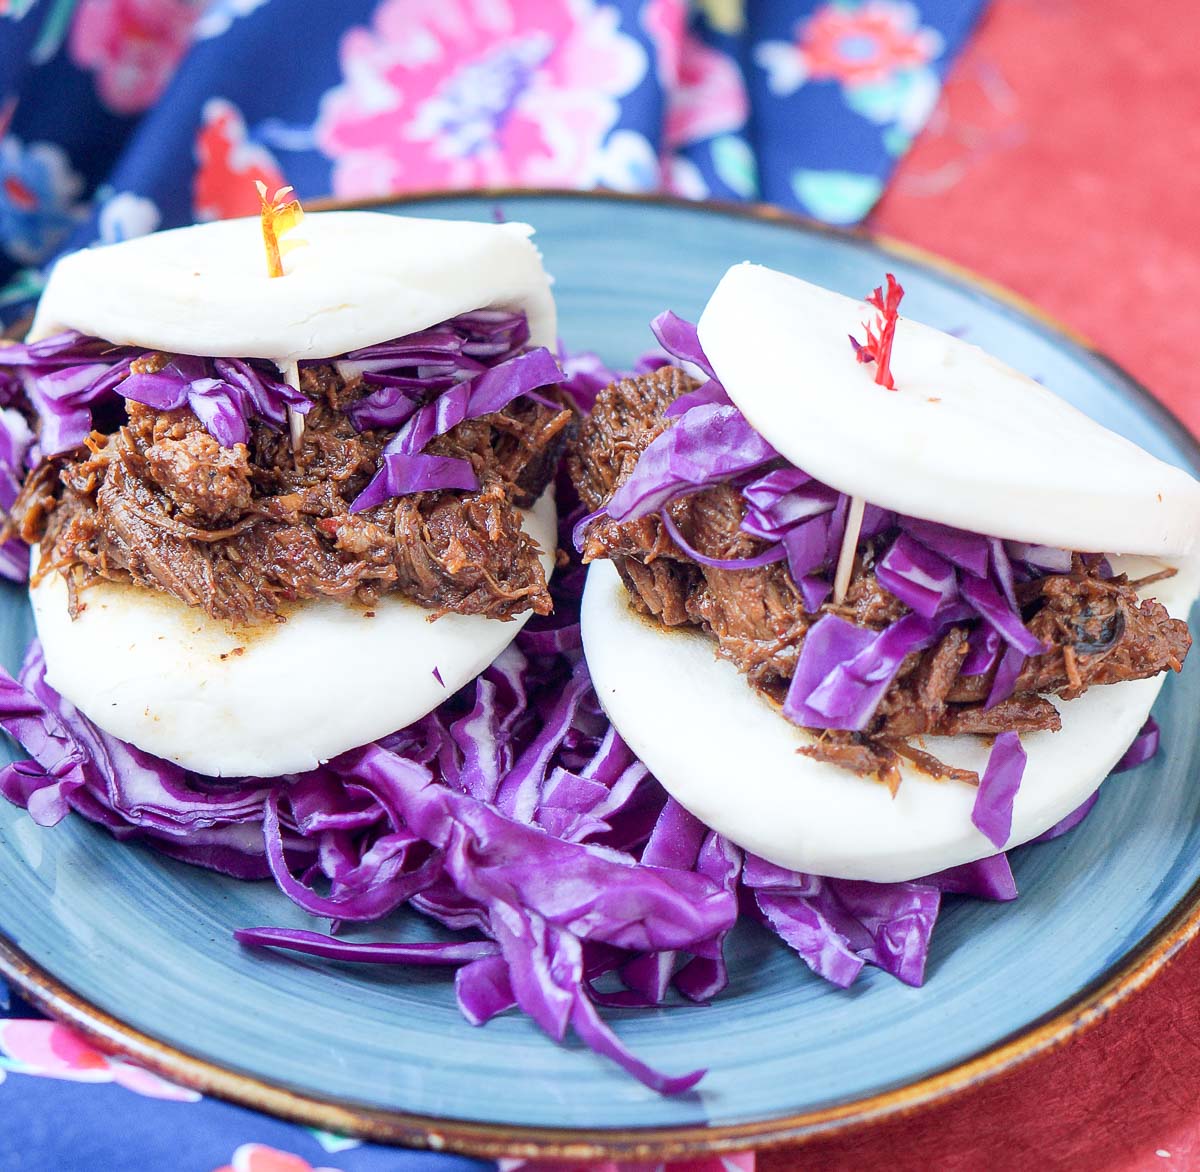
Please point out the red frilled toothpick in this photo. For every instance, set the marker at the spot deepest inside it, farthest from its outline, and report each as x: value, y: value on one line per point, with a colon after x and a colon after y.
x: 878, y: 346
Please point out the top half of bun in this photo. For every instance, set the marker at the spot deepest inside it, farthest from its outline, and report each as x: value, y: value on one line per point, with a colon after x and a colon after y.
x: 356, y: 279
x: 963, y: 439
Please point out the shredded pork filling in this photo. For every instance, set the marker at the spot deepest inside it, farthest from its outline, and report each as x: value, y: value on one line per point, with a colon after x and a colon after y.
x: 1097, y: 630
x: 241, y: 532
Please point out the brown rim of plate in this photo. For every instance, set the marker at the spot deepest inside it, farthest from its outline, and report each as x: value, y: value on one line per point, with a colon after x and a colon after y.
x: 490, y: 1140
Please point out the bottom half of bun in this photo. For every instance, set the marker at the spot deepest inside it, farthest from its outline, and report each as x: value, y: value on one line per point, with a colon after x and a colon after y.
x: 727, y: 754
x: 275, y: 698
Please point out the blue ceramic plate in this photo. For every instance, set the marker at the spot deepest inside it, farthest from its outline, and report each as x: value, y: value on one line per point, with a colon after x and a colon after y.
x: 139, y: 950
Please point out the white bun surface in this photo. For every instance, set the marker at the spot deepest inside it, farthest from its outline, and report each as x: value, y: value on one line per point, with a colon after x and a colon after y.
x: 964, y: 439
x: 359, y: 278
x: 273, y: 699
x: 727, y: 755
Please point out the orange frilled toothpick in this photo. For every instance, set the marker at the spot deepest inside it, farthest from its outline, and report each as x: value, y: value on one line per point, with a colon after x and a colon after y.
x: 279, y: 215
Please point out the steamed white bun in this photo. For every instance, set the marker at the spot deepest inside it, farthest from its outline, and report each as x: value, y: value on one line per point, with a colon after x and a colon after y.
x: 963, y: 439
x: 727, y: 755
x: 277, y: 698
x: 358, y: 278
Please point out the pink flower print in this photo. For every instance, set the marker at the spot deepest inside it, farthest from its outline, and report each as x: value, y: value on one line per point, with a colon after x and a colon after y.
x: 227, y: 165
x: 665, y: 22
x: 51, y: 1050
x: 863, y: 45
x: 132, y: 46
x: 261, y: 1158
x: 710, y: 98
x: 468, y: 93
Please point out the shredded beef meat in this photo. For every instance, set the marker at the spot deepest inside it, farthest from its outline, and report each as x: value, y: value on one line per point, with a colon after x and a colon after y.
x: 757, y: 616
x: 242, y: 532
x: 1098, y: 630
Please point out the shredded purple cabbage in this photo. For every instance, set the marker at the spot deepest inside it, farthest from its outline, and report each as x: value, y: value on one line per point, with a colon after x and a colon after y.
x: 1072, y: 819
x: 513, y: 813
x: 680, y: 339
x: 987, y: 878
x: 586, y: 374
x: 709, y: 443
x: 923, y: 580
x: 844, y: 670
x: 66, y: 375
x: 993, y: 810
x: 223, y: 401
x: 1143, y: 747
x: 16, y: 441
x: 838, y: 925
x: 406, y: 468
x: 384, y: 952
x: 424, y: 384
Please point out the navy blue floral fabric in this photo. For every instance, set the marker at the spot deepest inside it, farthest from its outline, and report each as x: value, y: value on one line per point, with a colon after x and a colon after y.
x: 121, y: 116
x: 118, y: 117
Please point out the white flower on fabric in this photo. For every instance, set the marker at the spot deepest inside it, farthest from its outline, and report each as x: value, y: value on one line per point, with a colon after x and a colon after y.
x: 221, y: 14
x: 627, y: 162
x: 785, y: 68
x: 126, y: 215
x: 682, y: 177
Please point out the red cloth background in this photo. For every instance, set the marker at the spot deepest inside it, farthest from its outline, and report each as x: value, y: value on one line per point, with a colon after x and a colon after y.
x: 1064, y: 162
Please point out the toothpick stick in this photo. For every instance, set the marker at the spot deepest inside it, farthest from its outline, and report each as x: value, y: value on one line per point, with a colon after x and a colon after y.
x: 845, y: 566
x: 291, y: 376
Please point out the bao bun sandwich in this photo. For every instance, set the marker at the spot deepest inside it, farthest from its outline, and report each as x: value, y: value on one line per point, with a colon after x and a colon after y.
x: 941, y: 599
x: 259, y: 484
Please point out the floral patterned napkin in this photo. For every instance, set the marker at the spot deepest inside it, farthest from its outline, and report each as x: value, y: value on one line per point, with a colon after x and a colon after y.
x: 121, y: 116
x: 118, y: 117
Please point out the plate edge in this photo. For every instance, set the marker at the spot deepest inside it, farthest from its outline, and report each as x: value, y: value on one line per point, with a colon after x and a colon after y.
x: 1061, y: 1024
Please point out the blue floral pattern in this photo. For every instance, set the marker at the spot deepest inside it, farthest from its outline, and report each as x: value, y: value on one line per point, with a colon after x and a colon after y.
x: 39, y: 199
x: 118, y: 117
x: 147, y: 116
